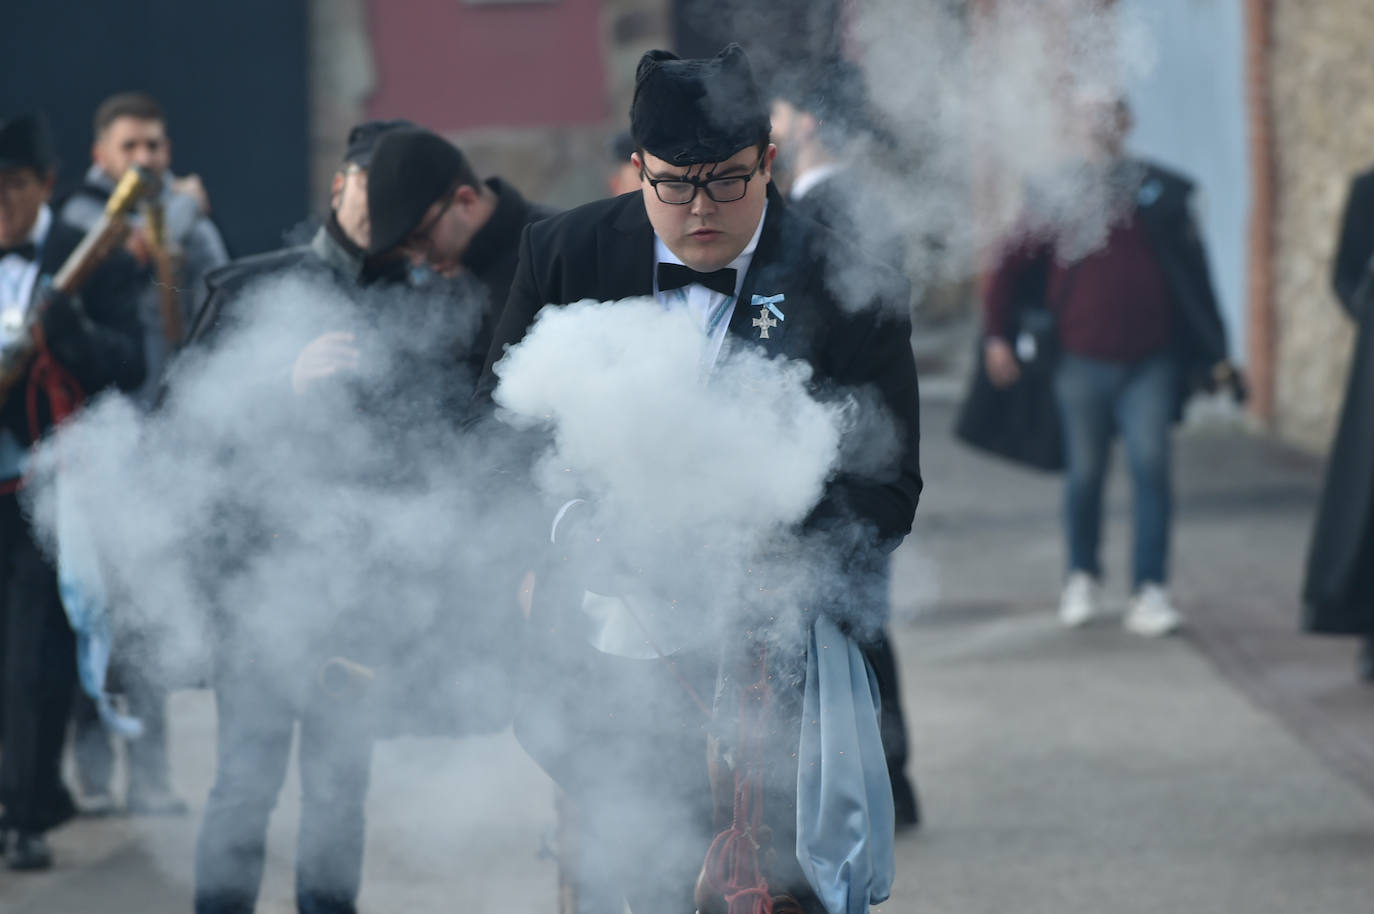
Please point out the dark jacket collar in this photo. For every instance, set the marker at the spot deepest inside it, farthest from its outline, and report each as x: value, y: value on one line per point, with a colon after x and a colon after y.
x: 501, y: 233
x: 349, y: 261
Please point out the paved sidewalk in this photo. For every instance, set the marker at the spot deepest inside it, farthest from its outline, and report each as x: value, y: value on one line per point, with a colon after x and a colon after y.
x: 1093, y: 771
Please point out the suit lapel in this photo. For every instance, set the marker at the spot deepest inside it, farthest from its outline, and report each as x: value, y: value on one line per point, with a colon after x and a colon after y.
x: 625, y: 254
x: 765, y: 276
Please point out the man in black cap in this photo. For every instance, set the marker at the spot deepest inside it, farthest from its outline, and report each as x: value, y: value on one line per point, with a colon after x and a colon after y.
x: 338, y: 249
x: 427, y: 203
x: 706, y: 234
x: 98, y: 342
x: 256, y: 713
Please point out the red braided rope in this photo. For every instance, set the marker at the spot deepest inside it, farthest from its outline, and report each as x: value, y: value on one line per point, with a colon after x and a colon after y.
x: 48, y: 377
x: 732, y: 867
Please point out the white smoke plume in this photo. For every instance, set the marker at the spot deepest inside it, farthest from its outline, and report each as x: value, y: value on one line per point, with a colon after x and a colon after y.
x: 992, y: 101
x: 975, y: 104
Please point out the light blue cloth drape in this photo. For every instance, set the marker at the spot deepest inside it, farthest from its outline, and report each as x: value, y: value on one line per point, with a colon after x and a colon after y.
x: 845, y: 818
x: 81, y: 585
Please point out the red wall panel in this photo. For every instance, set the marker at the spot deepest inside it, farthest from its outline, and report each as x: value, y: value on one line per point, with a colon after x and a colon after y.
x: 457, y: 64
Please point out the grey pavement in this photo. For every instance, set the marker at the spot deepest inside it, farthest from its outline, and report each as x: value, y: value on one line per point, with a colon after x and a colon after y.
x: 1065, y: 772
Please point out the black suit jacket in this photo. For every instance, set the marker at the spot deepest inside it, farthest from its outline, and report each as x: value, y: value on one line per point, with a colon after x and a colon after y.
x: 103, y: 350
x: 845, y: 314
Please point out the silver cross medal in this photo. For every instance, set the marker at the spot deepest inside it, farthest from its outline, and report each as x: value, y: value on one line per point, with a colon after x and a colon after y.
x: 764, y: 321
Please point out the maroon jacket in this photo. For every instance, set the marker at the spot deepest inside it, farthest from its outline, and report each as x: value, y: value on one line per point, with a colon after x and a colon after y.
x: 1114, y: 305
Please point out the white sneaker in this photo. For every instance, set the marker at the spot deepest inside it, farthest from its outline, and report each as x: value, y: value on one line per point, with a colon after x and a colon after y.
x: 1081, y: 601
x: 1152, y: 614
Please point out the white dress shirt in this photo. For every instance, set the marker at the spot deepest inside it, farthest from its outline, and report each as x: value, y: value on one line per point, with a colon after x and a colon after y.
x: 17, y: 279
x: 805, y: 182
x: 711, y: 310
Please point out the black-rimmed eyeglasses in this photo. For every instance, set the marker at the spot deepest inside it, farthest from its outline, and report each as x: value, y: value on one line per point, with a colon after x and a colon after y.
x: 680, y: 191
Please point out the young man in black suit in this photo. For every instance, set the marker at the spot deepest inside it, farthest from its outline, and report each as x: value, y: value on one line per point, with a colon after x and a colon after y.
x: 97, y: 341
x: 708, y: 234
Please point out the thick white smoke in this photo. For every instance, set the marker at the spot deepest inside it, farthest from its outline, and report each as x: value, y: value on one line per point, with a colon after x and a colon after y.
x: 647, y: 433
x: 993, y: 99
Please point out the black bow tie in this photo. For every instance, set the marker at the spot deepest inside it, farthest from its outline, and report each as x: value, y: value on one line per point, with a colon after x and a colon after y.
x: 675, y: 276
x: 27, y: 250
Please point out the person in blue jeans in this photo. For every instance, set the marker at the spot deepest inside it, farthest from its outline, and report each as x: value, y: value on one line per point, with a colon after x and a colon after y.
x: 1138, y: 330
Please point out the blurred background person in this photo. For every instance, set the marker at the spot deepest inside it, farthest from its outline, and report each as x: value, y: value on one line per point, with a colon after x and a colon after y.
x: 623, y: 176
x: 819, y: 115
x: 1338, y: 592
x: 99, y: 343
x: 257, y: 711
x: 1137, y: 328
x: 130, y: 129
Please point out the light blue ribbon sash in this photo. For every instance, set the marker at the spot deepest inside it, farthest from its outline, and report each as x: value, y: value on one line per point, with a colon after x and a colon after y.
x: 81, y: 585
x: 845, y: 816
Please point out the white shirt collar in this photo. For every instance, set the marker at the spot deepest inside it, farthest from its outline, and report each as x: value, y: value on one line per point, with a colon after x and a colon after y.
x: 807, y: 180
x: 740, y: 264
x: 41, y: 226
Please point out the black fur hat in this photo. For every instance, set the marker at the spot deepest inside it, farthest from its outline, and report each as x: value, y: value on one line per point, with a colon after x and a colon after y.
x: 690, y: 112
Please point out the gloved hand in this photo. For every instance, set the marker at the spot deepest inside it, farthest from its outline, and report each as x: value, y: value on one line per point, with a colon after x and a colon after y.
x: 60, y: 315
x: 1228, y: 376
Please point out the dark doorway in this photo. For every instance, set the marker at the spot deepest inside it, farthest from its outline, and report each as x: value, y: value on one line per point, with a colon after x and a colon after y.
x: 232, y: 77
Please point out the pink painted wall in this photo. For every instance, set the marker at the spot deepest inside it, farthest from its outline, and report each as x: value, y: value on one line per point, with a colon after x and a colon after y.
x: 455, y: 64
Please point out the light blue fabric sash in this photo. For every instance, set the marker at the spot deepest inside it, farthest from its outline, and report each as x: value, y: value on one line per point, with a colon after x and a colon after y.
x: 81, y: 585
x: 845, y: 817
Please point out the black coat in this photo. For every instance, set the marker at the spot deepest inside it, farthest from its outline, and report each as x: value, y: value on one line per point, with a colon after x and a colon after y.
x: 104, y: 351
x: 491, y: 258
x: 1199, y: 337
x: 1338, y: 591
x: 418, y: 399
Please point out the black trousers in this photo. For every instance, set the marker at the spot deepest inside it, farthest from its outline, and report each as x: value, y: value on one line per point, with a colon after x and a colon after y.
x: 38, y: 672
x: 255, y: 725
x: 892, y: 725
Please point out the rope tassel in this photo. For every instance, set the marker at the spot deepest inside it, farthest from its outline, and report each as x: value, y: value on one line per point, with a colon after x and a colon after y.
x: 732, y: 880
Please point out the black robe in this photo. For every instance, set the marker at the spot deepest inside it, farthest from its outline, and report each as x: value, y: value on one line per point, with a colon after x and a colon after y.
x: 1338, y: 591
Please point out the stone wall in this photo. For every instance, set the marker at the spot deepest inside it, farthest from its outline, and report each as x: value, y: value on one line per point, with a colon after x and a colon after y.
x: 562, y: 166
x: 1322, y: 98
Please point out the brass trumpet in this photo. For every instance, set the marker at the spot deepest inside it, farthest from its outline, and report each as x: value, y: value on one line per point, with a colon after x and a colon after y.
x: 103, y: 238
